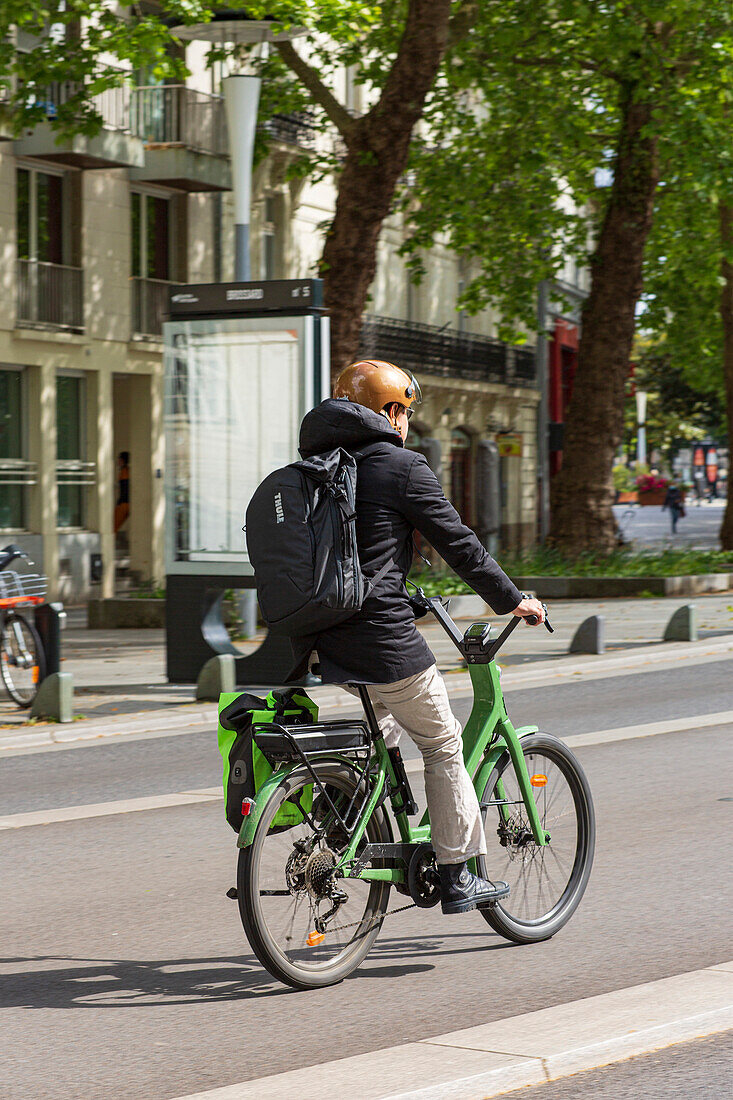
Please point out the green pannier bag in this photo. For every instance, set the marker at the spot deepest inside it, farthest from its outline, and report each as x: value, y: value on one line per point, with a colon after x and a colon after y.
x: 245, y: 767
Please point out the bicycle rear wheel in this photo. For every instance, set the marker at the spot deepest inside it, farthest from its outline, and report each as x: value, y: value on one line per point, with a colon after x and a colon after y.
x: 547, y: 881
x: 22, y: 660
x: 281, y: 881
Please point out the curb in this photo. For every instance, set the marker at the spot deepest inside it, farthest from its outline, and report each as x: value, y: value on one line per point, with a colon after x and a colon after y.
x: 608, y: 588
x: 531, y: 1049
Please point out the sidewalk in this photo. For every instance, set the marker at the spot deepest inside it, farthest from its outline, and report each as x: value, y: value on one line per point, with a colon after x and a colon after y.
x: 120, y: 684
x: 648, y: 528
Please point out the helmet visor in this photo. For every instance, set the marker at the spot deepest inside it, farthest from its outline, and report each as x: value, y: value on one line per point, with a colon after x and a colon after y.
x: 413, y: 391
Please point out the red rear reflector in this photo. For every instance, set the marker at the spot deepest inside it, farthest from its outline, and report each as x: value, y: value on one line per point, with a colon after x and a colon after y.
x: 247, y: 805
x: 538, y: 780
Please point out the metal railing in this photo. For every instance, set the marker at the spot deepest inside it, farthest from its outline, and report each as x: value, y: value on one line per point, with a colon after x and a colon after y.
x: 429, y: 349
x: 50, y: 295
x: 74, y: 471
x: 113, y: 104
x: 18, y: 471
x: 296, y: 129
x: 176, y: 115
x: 149, y: 305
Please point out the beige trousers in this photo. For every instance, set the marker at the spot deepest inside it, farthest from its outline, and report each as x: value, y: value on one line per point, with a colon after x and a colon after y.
x: 419, y: 705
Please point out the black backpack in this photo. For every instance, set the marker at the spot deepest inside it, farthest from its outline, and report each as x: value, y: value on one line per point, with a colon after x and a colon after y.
x: 301, y: 538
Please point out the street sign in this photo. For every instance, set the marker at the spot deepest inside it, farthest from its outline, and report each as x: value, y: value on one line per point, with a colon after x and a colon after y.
x: 509, y: 445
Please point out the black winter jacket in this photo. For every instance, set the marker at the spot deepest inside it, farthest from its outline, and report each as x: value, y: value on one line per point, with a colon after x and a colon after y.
x: 396, y: 492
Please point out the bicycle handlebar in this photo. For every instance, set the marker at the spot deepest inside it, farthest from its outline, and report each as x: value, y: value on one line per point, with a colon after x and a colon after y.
x: 438, y: 608
x: 10, y: 553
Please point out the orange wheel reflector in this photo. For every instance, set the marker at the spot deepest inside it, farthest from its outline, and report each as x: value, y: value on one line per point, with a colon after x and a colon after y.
x: 315, y: 938
x: 538, y: 780
x: 35, y: 674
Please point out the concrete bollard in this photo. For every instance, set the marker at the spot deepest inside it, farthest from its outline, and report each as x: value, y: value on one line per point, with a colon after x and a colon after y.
x: 55, y: 698
x: 682, y: 627
x: 218, y: 675
x: 590, y: 636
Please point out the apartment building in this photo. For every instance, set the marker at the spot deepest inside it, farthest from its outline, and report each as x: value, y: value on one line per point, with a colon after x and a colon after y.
x: 94, y: 231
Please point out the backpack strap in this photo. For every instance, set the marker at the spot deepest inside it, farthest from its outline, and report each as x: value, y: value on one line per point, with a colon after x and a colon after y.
x: 372, y: 582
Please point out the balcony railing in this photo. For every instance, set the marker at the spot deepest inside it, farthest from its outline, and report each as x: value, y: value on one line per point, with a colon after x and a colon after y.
x: 296, y: 129
x: 149, y: 305
x: 113, y: 104
x: 50, y: 295
x: 176, y: 115
x: 429, y: 349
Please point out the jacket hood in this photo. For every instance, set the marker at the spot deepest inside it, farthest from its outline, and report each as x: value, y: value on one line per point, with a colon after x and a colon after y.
x: 337, y: 422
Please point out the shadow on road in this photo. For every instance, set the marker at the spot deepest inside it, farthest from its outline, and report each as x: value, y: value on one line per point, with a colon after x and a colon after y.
x: 135, y: 983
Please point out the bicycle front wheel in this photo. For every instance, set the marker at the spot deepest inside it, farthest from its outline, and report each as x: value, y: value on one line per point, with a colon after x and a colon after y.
x: 547, y: 881
x: 22, y: 661
x: 282, y: 887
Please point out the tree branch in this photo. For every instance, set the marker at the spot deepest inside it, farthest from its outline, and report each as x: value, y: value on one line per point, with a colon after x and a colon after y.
x: 323, y: 95
x: 584, y: 63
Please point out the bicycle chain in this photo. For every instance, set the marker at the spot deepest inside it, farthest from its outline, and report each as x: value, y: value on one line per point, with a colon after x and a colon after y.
x: 373, y: 920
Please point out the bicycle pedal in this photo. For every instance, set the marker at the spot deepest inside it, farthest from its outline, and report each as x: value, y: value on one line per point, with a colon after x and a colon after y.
x: 232, y: 893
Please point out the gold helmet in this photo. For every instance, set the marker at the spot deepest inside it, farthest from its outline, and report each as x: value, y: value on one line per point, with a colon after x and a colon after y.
x: 376, y: 384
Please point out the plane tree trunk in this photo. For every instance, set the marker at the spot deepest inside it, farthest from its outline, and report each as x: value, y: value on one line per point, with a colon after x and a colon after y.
x: 378, y: 146
x: 582, y: 491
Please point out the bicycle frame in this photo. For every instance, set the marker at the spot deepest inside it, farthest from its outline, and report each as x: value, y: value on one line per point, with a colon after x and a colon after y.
x: 487, y: 735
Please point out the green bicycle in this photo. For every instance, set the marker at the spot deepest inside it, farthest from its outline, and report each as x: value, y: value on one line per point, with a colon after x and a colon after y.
x: 313, y: 895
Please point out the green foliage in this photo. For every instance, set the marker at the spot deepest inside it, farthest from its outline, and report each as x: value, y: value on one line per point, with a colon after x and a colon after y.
x: 529, y: 110
x: 623, y: 478
x: 544, y: 562
x: 71, y: 40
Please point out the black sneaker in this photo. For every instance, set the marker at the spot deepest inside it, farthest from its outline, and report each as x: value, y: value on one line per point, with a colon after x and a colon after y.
x: 461, y: 891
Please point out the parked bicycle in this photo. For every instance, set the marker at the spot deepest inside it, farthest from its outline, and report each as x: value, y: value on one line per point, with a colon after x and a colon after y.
x: 313, y: 895
x: 22, y: 660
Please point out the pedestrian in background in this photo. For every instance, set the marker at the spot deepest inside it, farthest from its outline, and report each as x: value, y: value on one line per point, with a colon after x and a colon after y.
x: 122, y: 507
x: 673, y: 501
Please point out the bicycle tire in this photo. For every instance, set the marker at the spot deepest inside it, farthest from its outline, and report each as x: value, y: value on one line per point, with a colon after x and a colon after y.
x: 23, y: 698
x: 534, y: 860
x: 315, y: 970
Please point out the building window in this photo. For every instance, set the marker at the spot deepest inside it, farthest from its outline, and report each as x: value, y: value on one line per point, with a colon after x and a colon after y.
x: 71, y: 468
x: 40, y: 222
x: 49, y: 289
x: 14, y: 470
x: 151, y: 247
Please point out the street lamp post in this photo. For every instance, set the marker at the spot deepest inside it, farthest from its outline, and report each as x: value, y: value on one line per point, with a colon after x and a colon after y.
x: 241, y: 98
x: 641, y: 397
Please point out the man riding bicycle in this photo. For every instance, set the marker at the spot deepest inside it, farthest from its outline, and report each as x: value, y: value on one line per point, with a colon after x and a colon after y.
x: 379, y: 645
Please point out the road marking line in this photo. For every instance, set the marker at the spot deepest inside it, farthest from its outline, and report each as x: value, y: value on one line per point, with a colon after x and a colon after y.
x: 413, y: 767
x: 525, y: 1050
x: 626, y: 733
x: 105, y: 809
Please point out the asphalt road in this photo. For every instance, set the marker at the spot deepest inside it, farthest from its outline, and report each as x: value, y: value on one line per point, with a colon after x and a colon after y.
x: 125, y: 970
x: 133, y: 769
x: 701, y: 1069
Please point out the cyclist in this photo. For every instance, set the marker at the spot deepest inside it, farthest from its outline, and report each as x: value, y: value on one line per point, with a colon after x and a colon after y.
x: 380, y: 646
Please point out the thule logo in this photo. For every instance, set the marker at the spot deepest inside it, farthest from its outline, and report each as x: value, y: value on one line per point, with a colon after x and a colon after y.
x: 184, y: 298
x: 279, y: 514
